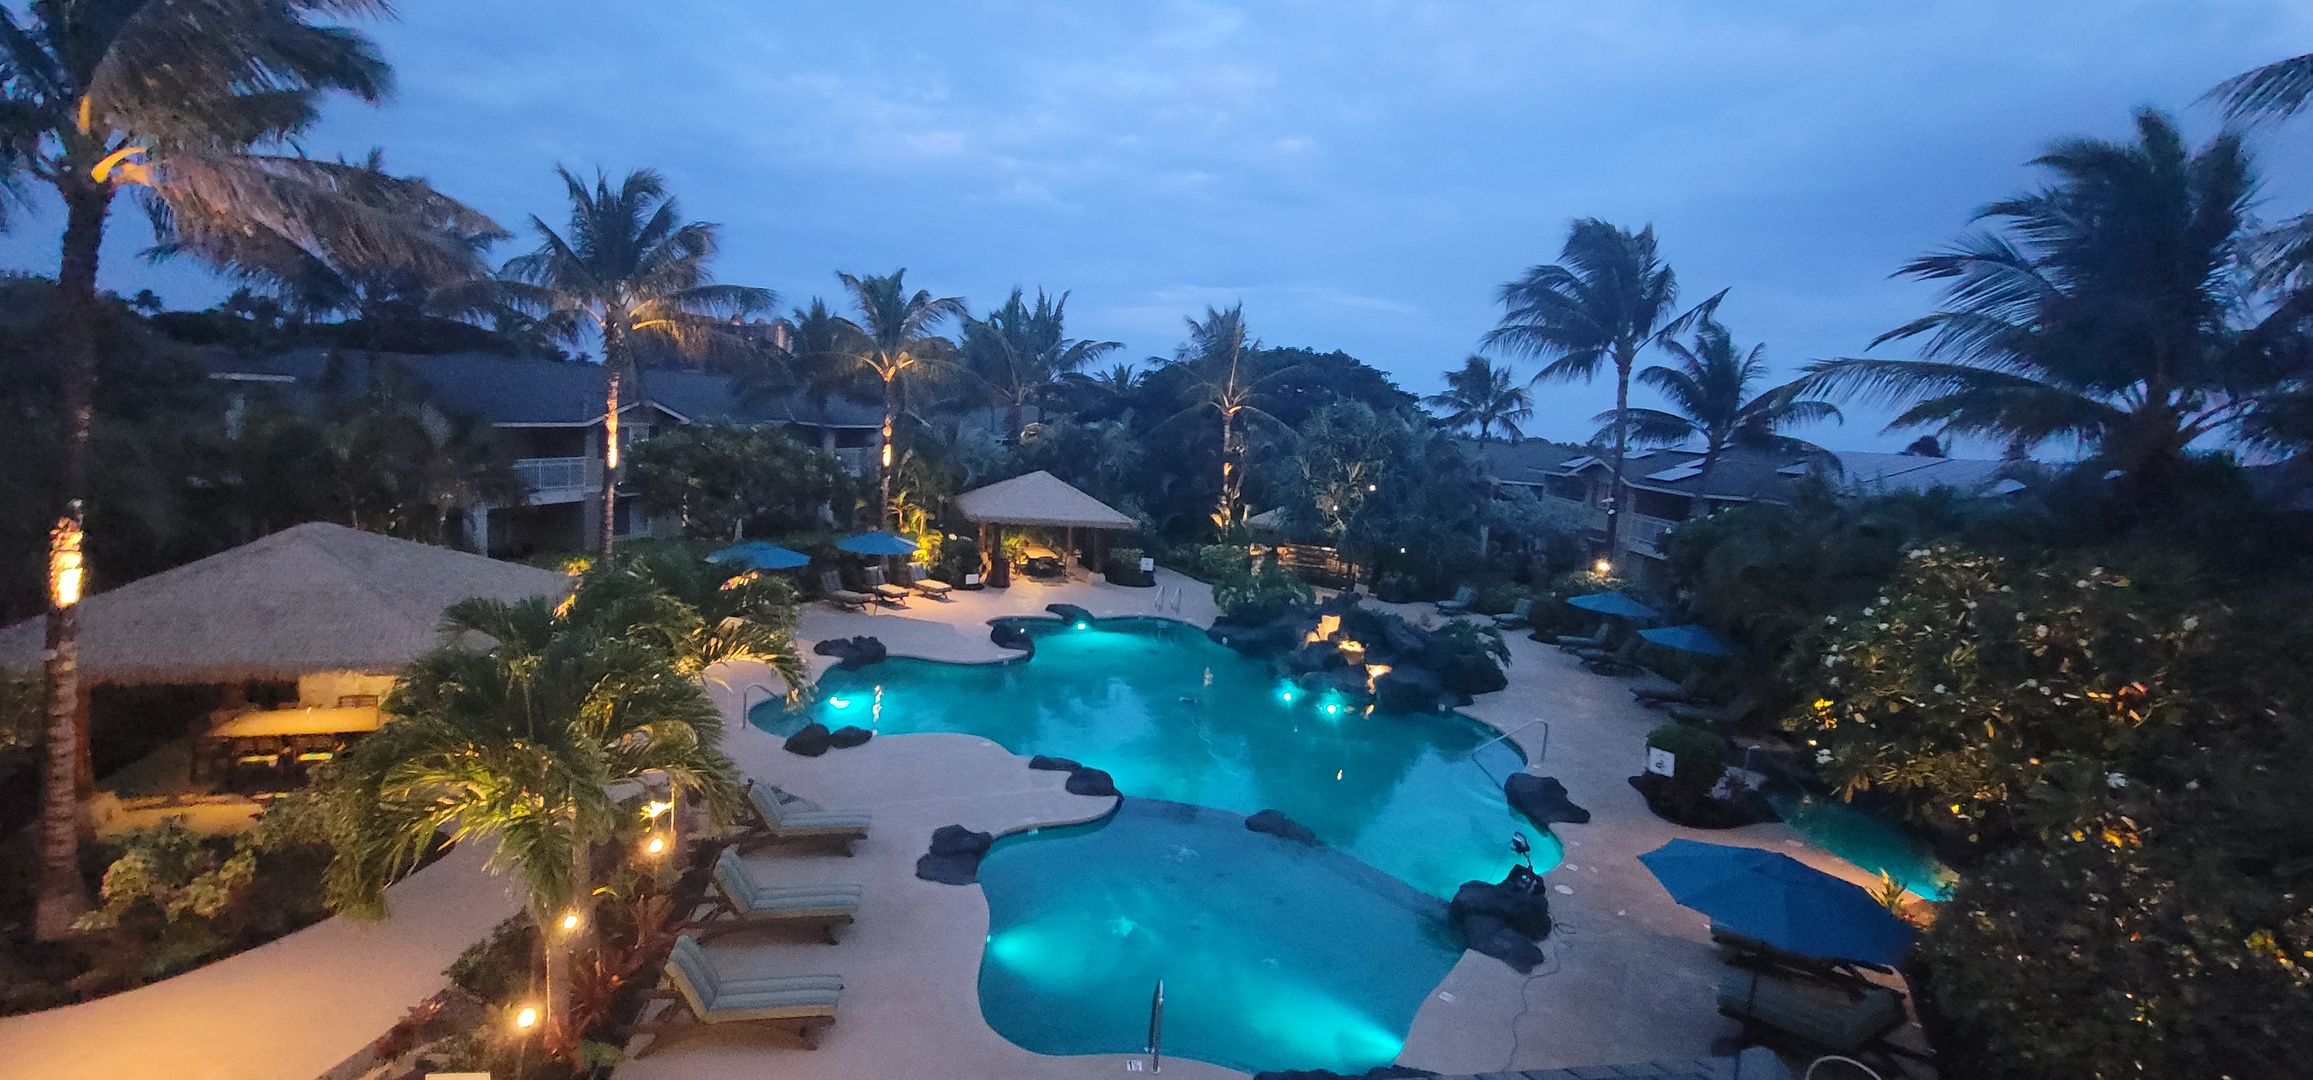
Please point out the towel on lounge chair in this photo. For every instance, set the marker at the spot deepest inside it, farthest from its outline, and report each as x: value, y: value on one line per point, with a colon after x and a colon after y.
x: 885, y: 591
x: 1463, y: 598
x: 740, y: 900
x: 799, y: 1003
x: 777, y: 822
x: 919, y: 576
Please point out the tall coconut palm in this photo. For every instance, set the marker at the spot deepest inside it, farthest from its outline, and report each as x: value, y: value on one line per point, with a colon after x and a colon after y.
x: 1607, y: 298
x: 2277, y: 90
x: 172, y: 98
x: 1483, y: 396
x: 630, y: 271
x: 1217, y: 358
x: 1708, y: 388
x: 2107, y: 311
x: 897, y: 339
x: 520, y: 747
x: 1018, y: 352
x: 698, y: 613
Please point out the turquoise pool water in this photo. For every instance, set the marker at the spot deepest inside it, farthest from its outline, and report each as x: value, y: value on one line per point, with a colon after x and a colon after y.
x: 1174, y: 716
x: 1865, y: 839
x: 1274, y: 955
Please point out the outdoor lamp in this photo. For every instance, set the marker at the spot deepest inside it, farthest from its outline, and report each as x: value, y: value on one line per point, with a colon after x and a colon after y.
x: 527, y: 1018
x: 656, y: 846
x: 65, y: 567
x: 570, y: 922
x: 1602, y: 567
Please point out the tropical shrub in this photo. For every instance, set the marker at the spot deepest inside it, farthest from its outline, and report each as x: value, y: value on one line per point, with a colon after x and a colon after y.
x: 725, y: 478
x: 1261, y: 594
x: 1702, y: 756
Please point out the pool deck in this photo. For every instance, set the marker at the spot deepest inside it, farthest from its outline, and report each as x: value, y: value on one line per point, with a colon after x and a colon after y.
x: 1630, y: 977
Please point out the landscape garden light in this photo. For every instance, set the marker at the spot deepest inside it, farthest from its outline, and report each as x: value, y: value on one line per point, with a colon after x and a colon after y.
x: 1602, y: 567
x: 526, y: 1019
x: 65, y: 568
x: 570, y: 923
x: 656, y: 846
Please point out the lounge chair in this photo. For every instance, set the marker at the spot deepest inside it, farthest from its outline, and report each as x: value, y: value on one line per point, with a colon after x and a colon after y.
x: 920, y: 577
x: 1518, y: 615
x: 799, y: 1003
x: 741, y: 902
x: 1819, y: 1014
x: 886, y: 592
x: 1713, y: 716
x: 1618, y: 661
x: 1685, y: 693
x: 1595, y: 639
x: 1460, y: 604
x: 780, y: 822
x: 831, y: 587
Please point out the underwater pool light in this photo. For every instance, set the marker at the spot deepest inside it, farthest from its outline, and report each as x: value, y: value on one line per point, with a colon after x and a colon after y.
x: 840, y: 702
x: 1083, y: 626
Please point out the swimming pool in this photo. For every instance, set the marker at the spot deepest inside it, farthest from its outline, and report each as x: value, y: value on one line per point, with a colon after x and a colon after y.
x: 1861, y: 837
x: 1274, y: 955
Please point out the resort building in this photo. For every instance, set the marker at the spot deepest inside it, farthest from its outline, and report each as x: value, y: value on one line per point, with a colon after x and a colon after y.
x: 549, y: 416
x: 1668, y: 486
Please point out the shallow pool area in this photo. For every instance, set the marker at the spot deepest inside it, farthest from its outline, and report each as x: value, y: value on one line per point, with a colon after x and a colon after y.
x: 1273, y: 954
x: 1172, y: 715
x: 1865, y: 839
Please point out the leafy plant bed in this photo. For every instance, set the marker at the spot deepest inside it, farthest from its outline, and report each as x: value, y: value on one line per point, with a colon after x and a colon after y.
x: 1664, y: 798
x: 168, y: 900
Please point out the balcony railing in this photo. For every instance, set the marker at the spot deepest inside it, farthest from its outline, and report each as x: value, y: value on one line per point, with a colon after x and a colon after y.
x: 554, y: 479
x: 1644, y: 534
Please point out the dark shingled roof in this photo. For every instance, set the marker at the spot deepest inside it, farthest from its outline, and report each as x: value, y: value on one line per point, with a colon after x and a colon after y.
x: 513, y: 392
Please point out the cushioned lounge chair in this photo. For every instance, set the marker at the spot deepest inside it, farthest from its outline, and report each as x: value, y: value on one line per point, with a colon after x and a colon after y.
x: 1816, y: 1013
x: 1595, y: 639
x: 831, y: 587
x: 1685, y: 693
x: 885, y: 592
x: 1616, y: 661
x: 1713, y: 715
x: 1518, y: 615
x: 1460, y: 604
x: 919, y: 576
x: 781, y: 822
x: 798, y: 1003
x: 741, y: 902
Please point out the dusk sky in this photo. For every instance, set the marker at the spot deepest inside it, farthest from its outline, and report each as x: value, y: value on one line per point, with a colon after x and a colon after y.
x: 1362, y: 175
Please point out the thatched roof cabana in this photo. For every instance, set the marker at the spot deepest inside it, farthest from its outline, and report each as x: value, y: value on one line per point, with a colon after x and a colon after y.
x: 314, y: 598
x: 1039, y: 498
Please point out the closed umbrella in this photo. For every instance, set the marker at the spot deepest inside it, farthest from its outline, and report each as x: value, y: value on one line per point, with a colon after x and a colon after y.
x: 1613, y: 603
x: 877, y: 543
x: 760, y: 555
x: 1770, y: 897
x: 1693, y: 639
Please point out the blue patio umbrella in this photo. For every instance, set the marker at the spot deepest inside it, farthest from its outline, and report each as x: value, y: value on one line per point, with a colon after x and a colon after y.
x: 877, y: 543
x: 1770, y: 897
x: 760, y: 555
x: 1692, y: 639
x: 1614, y: 603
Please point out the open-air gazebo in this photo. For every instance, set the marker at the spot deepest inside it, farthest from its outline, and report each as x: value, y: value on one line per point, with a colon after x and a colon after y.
x: 333, y: 609
x: 1038, y: 499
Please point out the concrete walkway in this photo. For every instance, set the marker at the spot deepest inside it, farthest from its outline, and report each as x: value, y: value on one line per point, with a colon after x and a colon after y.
x: 287, y: 1010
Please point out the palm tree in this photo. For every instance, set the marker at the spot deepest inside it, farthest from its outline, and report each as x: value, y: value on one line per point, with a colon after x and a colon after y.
x: 1607, y: 297
x: 633, y: 273
x: 1215, y: 356
x: 698, y: 613
x: 172, y: 99
x: 1018, y: 352
x: 2105, y: 312
x: 2276, y: 90
x: 1709, y: 391
x: 1484, y: 396
x: 897, y: 338
x: 520, y: 747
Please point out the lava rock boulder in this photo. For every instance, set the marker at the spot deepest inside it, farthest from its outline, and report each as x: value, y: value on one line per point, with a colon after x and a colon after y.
x: 1070, y: 613
x: 811, y: 741
x: 954, y: 858
x: 1053, y: 764
x: 1275, y: 823
x: 1408, y: 690
x: 852, y: 653
x: 848, y: 736
x: 1012, y: 636
x: 1542, y: 799
x: 1089, y: 781
x: 1503, y: 919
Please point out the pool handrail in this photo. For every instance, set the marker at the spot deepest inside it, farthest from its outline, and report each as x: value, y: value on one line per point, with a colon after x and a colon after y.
x: 1539, y: 754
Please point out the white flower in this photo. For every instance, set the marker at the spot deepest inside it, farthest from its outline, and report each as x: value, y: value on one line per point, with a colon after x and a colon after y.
x: 1823, y: 757
x: 2115, y: 781
x: 1883, y: 626
x: 2045, y: 692
x: 1868, y: 609
x: 2040, y: 630
x: 2031, y: 682
x: 1833, y: 620
x: 1835, y: 680
x: 2192, y: 785
x: 2192, y: 622
x: 1939, y: 688
x: 1968, y: 604
x: 1919, y: 553
x: 2080, y: 584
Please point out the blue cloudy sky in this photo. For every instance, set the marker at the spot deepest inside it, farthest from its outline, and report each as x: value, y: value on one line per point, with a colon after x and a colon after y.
x: 1361, y: 173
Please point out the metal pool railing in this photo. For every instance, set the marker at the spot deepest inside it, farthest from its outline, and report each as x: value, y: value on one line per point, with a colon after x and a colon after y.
x: 1540, y: 752
x: 1156, y: 1028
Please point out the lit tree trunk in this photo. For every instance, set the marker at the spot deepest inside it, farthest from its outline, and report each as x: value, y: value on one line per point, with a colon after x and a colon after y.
x: 1232, y: 470
x: 1017, y: 418
x: 61, y: 896
x: 610, y: 464
x: 890, y: 413
x: 1624, y: 356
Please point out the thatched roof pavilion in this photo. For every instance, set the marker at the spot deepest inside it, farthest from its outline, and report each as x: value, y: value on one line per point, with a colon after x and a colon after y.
x: 314, y: 598
x: 1037, y: 499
